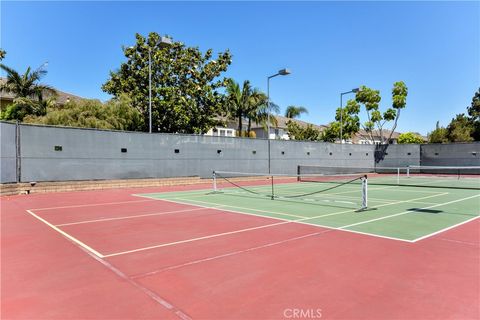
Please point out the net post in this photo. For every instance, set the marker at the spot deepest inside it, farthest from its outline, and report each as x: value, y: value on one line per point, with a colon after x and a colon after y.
x: 273, y: 194
x: 298, y: 173
x: 408, y: 171
x: 214, y: 182
x: 364, y: 192
x: 398, y: 176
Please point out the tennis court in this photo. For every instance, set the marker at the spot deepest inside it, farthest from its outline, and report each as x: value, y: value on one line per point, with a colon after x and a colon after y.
x: 411, y: 209
x: 251, y: 246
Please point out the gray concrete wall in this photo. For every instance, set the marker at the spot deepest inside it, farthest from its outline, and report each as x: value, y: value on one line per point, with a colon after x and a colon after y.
x: 318, y: 153
x: 8, y: 153
x: 458, y: 154
x: 95, y: 154
x: 397, y: 155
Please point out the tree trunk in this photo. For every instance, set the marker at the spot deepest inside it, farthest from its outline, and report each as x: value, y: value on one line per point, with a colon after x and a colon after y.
x: 240, y: 126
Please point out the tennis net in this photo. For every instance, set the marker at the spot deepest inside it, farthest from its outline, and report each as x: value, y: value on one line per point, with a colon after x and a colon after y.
x: 340, y: 190
x: 453, y: 177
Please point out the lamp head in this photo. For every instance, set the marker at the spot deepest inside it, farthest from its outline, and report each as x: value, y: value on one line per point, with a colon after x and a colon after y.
x: 284, y: 72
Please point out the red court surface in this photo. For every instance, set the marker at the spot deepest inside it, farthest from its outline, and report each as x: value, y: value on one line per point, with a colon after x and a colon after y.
x: 111, y: 255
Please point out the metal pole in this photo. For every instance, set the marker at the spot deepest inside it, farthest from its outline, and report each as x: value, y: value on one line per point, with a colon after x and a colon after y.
x: 18, y: 150
x: 149, y: 90
x: 341, y: 118
x: 268, y: 121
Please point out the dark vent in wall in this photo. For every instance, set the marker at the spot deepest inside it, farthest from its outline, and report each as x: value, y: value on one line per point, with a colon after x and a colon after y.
x: 219, y: 151
x: 366, y: 154
x: 254, y: 151
x: 409, y: 154
x: 283, y: 152
x: 58, y: 148
x: 123, y: 150
x: 330, y: 153
x: 308, y: 153
x: 177, y: 151
x: 436, y: 153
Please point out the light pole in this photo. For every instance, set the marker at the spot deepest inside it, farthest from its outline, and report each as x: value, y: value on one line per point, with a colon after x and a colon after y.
x: 163, y: 42
x: 282, y: 72
x: 355, y: 90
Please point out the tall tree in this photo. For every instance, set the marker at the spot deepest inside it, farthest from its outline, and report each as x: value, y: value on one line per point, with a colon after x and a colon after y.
x: 350, y: 123
x: 238, y: 101
x: 474, y: 115
x: 29, y: 93
x: 295, y: 112
x: 245, y: 103
x: 185, y: 84
x: 257, y: 108
x: 439, y: 135
x: 460, y: 129
x: 376, y: 120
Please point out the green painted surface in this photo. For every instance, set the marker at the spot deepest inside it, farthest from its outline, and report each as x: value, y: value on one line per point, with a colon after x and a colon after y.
x: 399, y: 212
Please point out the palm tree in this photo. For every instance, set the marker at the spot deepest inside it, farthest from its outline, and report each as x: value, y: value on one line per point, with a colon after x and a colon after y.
x: 262, y: 112
x: 238, y: 101
x: 28, y: 92
x: 295, y: 112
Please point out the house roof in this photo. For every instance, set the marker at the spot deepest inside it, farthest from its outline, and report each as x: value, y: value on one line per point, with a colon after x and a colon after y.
x: 62, y: 97
x: 282, y: 123
x: 376, y: 133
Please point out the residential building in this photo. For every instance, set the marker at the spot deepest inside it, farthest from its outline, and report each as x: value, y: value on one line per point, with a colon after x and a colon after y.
x: 364, y: 137
x: 280, y: 130
x: 7, y: 98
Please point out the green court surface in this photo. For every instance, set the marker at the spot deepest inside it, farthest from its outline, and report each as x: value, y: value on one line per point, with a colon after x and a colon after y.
x: 407, y: 213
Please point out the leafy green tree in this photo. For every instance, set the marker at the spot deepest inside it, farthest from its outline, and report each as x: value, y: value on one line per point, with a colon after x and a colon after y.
x: 460, y: 129
x: 29, y: 94
x: 350, y: 120
x: 439, y: 135
x: 295, y: 112
x: 298, y: 132
x: 409, y: 137
x: 116, y: 114
x: 3, y: 53
x: 376, y: 120
x: 185, y: 84
x: 474, y: 115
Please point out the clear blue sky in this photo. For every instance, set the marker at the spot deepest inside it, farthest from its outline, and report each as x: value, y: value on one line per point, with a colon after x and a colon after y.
x: 329, y: 46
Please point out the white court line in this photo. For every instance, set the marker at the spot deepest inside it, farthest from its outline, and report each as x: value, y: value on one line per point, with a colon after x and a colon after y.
x: 66, y: 235
x: 147, y: 274
x: 196, y: 239
x: 137, y: 285
x: 292, y: 221
x: 129, y: 217
x: 408, y: 211
x: 322, y: 216
x: 283, y: 221
x: 224, y: 205
x: 445, y: 229
x: 92, y: 205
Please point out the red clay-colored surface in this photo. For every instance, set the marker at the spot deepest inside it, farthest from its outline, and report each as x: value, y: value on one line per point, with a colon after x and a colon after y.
x: 266, y: 273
